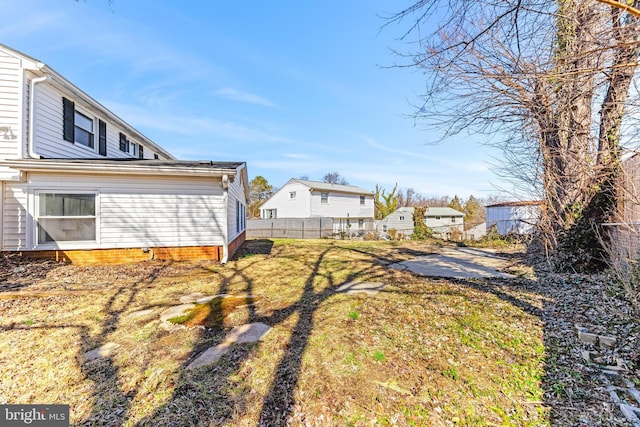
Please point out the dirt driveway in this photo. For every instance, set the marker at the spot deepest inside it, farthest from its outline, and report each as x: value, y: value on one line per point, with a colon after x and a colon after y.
x: 458, y: 262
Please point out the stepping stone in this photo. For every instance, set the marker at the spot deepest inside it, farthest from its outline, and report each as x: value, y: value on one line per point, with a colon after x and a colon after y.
x: 369, y: 288
x: 175, y: 311
x: 199, y: 298
x: 106, y: 350
x: 192, y: 297
x: 251, y: 332
x: 210, y: 356
x: 210, y: 298
x: 141, y: 313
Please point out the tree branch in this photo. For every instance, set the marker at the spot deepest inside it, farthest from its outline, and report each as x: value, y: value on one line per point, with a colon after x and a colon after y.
x: 630, y: 9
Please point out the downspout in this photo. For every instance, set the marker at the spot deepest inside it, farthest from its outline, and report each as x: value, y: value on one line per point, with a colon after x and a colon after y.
x: 225, y: 231
x: 32, y: 101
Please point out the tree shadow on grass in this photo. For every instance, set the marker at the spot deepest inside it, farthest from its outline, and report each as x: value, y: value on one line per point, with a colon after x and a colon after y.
x: 111, y: 404
x: 216, y: 394
x: 254, y: 247
x: 200, y: 401
x: 568, y: 389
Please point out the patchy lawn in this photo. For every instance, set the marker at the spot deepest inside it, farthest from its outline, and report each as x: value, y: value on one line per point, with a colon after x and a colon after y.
x: 420, y: 352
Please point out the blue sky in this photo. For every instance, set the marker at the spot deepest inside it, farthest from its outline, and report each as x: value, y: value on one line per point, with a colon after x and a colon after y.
x: 294, y: 88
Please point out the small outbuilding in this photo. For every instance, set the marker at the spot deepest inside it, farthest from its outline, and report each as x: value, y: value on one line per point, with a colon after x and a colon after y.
x: 520, y: 217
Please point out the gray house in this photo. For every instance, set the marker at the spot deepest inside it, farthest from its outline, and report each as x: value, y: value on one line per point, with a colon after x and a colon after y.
x: 444, y: 222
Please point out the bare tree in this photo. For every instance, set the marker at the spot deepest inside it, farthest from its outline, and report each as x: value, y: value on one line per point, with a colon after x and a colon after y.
x: 411, y: 198
x: 334, y: 178
x: 554, y: 79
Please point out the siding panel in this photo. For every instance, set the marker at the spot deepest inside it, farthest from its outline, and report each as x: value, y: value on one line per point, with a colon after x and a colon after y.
x: 236, y: 194
x: 300, y: 207
x: 15, y: 216
x: 341, y: 205
x: 48, y: 129
x: 132, y: 211
x: 10, y: 102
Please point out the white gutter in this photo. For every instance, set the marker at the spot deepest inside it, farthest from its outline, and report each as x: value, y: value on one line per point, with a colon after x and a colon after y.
x: 113, y: 168
x: 32, y: 101
x: 225, y: 231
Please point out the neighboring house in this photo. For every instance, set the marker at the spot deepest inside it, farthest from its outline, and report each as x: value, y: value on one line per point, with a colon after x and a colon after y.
x: 350, y: 207
x: 514, y: 217
x: 444, y: 222
x: 476, y: 232
x: 78, y: 183
x: 397, y: 224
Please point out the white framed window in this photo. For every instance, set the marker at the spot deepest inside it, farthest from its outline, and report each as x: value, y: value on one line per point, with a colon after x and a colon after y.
x: 360, y: 224
x: 453, y: 219
x: 324, y: 198
x: 384, y: 228
x: 83, y: 128
x: 401, y: 218
x: 241, y: 216
x: 292, y: 195
x: 65, y: 217
x: 130, y: 147
x: 83, y: 132
x: 362, y: 200
x: 437, y: 218
x: 270, y: 213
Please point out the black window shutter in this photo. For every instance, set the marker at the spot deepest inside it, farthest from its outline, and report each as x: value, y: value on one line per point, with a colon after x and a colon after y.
x: 140, y: 151
x: 123, y: 142
x: 68, y: 111
x: 102, y: 138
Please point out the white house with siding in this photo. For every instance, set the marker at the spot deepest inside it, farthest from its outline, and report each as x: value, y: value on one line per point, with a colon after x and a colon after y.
x: 520, y: 217
x: 350, y: 207
x: 79, y: 183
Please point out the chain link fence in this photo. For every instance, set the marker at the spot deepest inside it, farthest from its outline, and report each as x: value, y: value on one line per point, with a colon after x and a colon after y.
x: 310, y: 228
x: 293, y: 228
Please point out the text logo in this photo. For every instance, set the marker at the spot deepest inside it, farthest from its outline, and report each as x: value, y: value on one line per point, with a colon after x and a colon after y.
x: 34, y: 415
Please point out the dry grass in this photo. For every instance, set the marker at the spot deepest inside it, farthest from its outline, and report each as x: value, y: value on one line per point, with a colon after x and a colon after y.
x: 421, y: 352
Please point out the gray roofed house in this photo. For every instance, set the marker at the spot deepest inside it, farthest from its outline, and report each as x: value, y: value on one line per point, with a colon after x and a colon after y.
x: 338, y: 188
x: 443, y: 221
x: 350, y: 207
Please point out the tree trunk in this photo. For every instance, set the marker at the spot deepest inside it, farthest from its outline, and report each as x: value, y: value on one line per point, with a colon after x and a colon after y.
x: 582, y: 242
